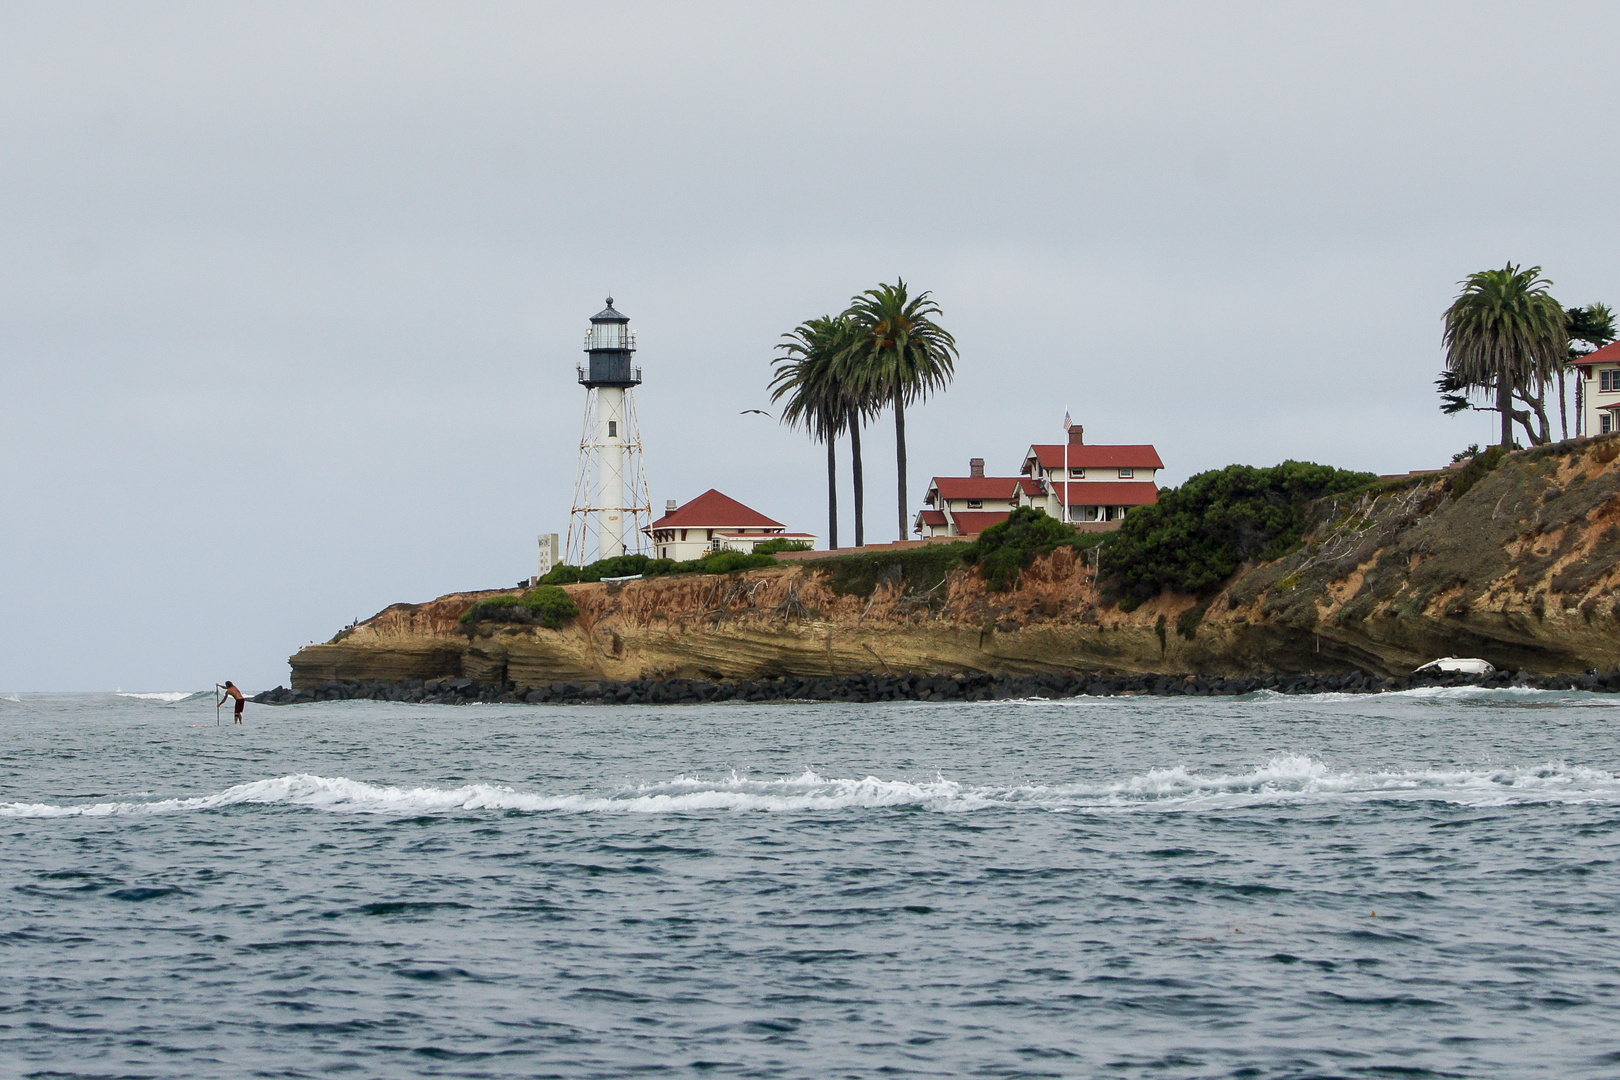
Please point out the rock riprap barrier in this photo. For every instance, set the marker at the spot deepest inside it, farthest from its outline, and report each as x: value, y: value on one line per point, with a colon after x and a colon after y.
x: 868, y: 688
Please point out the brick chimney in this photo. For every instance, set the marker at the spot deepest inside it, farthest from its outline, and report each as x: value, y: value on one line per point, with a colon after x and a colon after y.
x: 976, y: 466
x: 1077, y: 435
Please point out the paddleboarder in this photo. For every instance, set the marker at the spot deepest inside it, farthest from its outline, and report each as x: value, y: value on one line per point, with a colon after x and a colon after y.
x: 230, y: 688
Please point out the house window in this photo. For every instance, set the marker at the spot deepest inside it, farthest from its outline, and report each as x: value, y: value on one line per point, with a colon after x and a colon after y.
x: 1609, y: 379
x: 1077, y: 474
x: 975, y: 504
x: 1126, y: 474
x: 1605, y: 423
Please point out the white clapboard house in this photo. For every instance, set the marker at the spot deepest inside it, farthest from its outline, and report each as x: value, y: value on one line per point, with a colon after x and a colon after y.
x: 1597, y: 391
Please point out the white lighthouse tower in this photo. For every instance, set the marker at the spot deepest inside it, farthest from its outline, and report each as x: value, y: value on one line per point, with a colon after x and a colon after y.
x: 611, y: 500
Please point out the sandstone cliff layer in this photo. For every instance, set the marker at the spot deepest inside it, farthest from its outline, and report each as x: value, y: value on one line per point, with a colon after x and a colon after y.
x: 1520, y: 568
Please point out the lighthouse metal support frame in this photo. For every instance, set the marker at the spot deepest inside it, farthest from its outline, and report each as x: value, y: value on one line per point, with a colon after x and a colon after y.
x: 599, y: 456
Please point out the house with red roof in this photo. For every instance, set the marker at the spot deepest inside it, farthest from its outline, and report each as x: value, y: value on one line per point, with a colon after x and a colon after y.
x: 968, y: 505
x: 1082, y: 483
x: 1099, y: 485
x: 1597, y: 391
x: 714, y: 522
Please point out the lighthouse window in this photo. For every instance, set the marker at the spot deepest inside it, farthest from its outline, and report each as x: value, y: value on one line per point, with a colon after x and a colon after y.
x: 613, y: 429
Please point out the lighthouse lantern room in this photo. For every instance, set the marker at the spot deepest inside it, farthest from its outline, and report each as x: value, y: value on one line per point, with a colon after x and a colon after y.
x: 611, y: 499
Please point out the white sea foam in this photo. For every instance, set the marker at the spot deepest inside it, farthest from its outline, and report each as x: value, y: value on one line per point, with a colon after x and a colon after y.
x: 1285, y: 779
x: 167, y: 696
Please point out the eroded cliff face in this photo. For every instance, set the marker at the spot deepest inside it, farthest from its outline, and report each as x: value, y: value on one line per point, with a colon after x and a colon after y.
x: 1520, y: 569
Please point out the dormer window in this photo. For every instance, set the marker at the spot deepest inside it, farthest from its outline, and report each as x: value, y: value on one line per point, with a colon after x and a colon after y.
x: 1076, y: 474
x: 1126, y: 474
x: 1609, y: 379
x: 975, y: 504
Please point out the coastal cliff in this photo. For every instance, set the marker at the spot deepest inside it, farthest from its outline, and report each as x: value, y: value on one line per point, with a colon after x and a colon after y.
x: 1516, y: 564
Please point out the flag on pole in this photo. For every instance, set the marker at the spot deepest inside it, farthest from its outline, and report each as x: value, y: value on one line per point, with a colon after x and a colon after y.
x: 1067, y: 422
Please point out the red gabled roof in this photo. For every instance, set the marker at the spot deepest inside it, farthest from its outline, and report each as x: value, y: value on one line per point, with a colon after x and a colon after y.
x: 1609, y: 354
x: 1032, y: 487
x: 1097, y: 457
x: 976, y: 487
x: 1109, y: 493
x: 931, y: 517
x: 712, y: 510
x: 975, y: 522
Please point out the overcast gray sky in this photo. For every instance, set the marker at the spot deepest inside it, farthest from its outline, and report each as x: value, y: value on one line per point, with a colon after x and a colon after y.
x: 292, y: 294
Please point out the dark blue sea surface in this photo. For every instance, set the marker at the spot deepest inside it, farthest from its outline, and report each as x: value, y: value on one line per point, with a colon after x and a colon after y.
x: 1406, y: 885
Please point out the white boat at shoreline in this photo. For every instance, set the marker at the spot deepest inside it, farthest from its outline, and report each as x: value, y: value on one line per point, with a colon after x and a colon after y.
x: 1462, y: 665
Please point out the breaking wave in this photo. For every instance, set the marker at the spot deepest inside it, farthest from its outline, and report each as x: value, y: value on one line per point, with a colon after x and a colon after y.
x: 1287, y: 778
x: 168, y: 697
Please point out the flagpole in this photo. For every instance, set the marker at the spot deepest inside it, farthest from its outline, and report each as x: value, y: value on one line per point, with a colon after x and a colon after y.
x: 1065, y: 466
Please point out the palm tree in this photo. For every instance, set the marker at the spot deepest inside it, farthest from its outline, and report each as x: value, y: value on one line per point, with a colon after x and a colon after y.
x: 1592, y: 327
x: 820, y: 401
x: 1506, y: 331
x: 900, y: 356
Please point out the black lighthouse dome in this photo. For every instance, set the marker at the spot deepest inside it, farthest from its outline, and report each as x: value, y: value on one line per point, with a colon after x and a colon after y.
x: 611, y: 344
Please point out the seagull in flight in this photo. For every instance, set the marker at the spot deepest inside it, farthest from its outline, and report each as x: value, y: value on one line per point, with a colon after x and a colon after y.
x: 761, y: 412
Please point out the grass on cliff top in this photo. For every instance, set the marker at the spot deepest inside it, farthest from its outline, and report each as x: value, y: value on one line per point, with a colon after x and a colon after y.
x: 915, y: 569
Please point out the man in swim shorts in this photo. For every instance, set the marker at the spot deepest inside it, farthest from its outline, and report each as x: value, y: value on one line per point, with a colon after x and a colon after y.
x: 230, y: 688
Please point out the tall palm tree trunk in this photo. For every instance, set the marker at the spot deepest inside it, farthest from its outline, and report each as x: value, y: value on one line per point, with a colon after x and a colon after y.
x: 1504, y: 405
x: 900, y: 454
x: 832, y: 490
x: 1563, y: 408
x: 860, y: 483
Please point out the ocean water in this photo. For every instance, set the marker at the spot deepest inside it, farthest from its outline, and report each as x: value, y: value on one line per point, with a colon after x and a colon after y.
x: 1409, y: 885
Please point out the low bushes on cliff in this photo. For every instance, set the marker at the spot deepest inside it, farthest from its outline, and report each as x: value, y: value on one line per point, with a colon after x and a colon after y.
x: 547, y: 605
x: 771, y: 547
x: 713, y: 562
x: 618, y: 566
x: 1004, y: 549
x: 915, y: 570
x: 1198, y: 534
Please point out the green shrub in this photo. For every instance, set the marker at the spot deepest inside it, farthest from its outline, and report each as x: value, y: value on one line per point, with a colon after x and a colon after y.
x: 617, y: 566
x: 550, y: 605
x: 495, y: 609
x: 771, y: 547
x: 1200, y: 533
x: 547, y: 605
x: 1476, y: 470
x: 1004, y: 549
